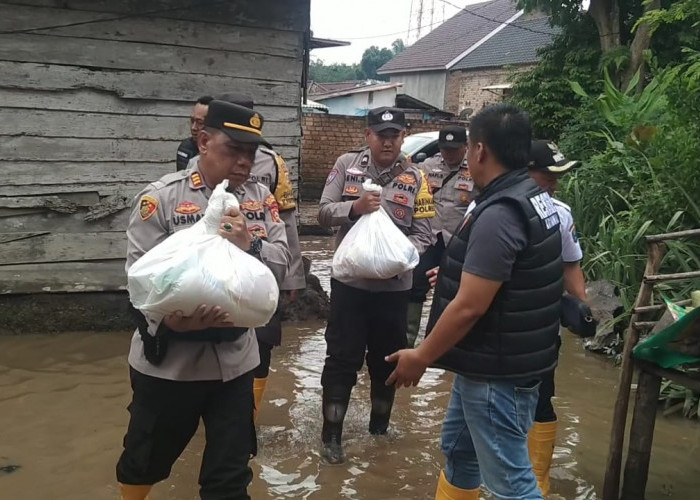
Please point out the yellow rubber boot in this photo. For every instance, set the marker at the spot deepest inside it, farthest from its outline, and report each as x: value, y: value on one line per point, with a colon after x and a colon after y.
x: 446, y: 491
x: 540, y: 444
x: 135, y: 491
x: 258, y: 391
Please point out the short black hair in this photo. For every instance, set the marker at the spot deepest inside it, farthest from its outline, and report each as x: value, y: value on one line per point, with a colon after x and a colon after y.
x: 205, y: 99
x: 506, y: 130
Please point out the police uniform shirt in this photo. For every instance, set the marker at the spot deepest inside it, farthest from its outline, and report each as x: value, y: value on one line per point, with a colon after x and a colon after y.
x: 406, y: 199
x: 453, y: 190
x: 570, y: 247
x: 187, y: 150
x: 271, y: 171
x: 176, y: 202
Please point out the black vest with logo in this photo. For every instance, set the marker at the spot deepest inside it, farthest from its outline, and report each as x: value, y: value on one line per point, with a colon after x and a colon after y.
x: 517, y: 336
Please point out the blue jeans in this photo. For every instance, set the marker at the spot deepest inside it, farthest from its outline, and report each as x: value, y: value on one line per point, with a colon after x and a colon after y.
x: 484, y: 436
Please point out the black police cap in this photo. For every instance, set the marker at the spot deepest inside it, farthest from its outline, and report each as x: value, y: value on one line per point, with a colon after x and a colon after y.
x: 238, y: 122
x: 545, y: 155
x: 452, y: 136
x: 384, y: 118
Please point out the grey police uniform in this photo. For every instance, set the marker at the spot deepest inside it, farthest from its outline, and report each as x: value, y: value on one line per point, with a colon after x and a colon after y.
x: 453, y: 190
x: 405, y: 198
x: 180, y: 201
x: 368, y: 317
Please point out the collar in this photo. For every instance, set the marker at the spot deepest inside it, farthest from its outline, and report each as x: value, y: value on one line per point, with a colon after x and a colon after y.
x: 502, y: 182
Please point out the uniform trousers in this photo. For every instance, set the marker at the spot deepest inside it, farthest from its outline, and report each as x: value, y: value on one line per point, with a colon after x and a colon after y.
x: 545, y: 410
x: 268, y: 337
x: 165, y: 415
x: 362, y: 325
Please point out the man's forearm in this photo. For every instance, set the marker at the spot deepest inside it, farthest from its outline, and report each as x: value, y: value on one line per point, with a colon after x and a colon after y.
x: 574, y: 282
x: 454, y: 324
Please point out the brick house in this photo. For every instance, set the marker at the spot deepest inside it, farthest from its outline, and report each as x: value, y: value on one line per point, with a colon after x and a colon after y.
x: 465, y: 63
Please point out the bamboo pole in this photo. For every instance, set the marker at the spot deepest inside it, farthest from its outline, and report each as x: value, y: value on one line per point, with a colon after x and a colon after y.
x: 611, y: 485
x: 671, y: 277
x: 641, y: 436
x: 655, y: 238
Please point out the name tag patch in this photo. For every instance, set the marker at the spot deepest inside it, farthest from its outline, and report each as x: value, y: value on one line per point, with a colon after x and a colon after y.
x: 542, y: 203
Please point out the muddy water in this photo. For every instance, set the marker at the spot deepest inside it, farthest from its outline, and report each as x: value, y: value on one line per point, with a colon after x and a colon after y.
x: 62, y: 419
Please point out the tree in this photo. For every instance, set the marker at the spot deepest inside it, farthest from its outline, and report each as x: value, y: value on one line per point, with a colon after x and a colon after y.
x: 397, y: 46
x: 612, y: 19
x: 320, y: 72
x: 372, y: 59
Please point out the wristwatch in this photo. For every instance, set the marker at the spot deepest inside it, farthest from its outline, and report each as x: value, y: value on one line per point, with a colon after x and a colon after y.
x: 255, y: 246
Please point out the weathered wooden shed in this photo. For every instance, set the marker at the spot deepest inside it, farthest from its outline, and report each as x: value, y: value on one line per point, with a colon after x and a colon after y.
x: 95, y: 96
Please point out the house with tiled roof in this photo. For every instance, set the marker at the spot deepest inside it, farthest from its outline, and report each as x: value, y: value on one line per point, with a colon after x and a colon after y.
x: 465, y: 63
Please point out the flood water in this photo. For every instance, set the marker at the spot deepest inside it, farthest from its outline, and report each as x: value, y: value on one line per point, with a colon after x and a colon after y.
x: 63, y: 417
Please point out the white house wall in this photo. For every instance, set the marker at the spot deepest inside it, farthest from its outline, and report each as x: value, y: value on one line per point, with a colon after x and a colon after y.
x: 427, y: 86
x: 358, y: 104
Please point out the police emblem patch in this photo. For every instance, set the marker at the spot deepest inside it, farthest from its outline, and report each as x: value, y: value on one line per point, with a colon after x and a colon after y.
x: 401, y: 198
x: 449, y: 137
x: 406, y: 179
x: 387, y: 117
x: 257, y: 230
x: 251, y: 205
x: 352, y: 190
x: 255, y: 121
x: 332, y: 175
x: 399, y: 213
x: 187, y: 207
x: 147, y: 207
x: 271, y: 204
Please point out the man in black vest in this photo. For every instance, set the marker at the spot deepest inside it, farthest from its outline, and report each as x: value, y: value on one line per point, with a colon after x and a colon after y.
x: 495, y: 316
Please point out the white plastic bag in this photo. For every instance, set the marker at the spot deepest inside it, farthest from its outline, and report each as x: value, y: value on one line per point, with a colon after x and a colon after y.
x: 197, y: 266
x: 374, y: 248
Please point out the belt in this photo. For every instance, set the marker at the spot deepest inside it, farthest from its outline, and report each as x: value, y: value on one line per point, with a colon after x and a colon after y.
x: 228, y: 334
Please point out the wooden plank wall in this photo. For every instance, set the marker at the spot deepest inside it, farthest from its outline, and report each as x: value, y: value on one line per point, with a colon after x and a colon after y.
x: 93, y: 109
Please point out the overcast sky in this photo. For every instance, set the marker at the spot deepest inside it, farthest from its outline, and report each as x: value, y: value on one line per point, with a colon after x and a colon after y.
x: 364, y: 23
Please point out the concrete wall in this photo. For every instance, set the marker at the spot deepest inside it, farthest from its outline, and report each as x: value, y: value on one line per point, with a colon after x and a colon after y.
x: 464, y: 88
x: 358, y: 104
x: 326, y: 137
x: 90, y: 113
x: 427, y: 86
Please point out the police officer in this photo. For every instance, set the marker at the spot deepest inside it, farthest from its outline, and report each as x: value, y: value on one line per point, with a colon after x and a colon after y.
x: 495, y: 316
x: 453, y: 189
x: 547, y: 165
x: 186, y: 368
x: 270, y: 170
x: 188, y: 148
x: 369, y: 316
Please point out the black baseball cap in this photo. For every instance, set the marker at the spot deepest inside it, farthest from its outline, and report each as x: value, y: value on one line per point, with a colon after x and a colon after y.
x: 236, y: 98
x: 545, y: 155
x: 384, y: 118
x: 452, y: 137
x: 238, y: 122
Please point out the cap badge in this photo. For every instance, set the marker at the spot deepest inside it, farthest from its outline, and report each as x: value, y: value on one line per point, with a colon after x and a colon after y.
x: 255, y: 121
x: 450, y: 137
x: 387, y: 117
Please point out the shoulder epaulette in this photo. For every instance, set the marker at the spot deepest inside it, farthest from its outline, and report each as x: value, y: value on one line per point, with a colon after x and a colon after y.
x: 170, y: 178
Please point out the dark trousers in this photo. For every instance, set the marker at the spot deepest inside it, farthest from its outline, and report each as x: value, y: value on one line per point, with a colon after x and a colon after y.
x: 265, y: 351
x: 431, y: 258
x: 545, y: 411
x: 362, y: 325
x: 165, y: 415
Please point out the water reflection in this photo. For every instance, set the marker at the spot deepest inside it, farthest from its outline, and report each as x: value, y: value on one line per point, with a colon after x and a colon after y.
x: 62, y: 419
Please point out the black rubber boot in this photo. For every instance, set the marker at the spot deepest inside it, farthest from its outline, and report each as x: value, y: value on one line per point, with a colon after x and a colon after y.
x: 415, y: 311
x: 335, y: 405
x: 382, y: 402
